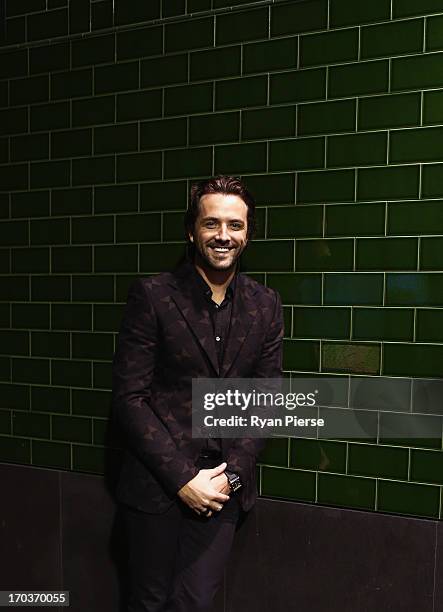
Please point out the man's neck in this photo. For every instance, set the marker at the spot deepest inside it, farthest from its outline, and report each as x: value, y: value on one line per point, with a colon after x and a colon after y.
x: 218, y: 280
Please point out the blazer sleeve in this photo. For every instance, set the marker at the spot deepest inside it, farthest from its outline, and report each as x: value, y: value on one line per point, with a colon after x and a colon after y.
x: 243, y: 452
x: 133, y: 370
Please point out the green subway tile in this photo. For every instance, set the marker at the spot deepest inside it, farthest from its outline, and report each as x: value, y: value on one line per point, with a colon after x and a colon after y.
x: 138, y: 228
x: 270, y: 55
x: 73, y: 84
x: 139, y: 43
x: 116, y: 198
x: 163, y: 196
x: 4, y: 150
x: 240, y: 158
x: 422, y: 217
x: 163, y: 133
x: 30, y: 370
x: 22, y: 7
x: 326, y: 117
x: 419, y: 289
x: 426, y: 466
x: 50, y: 231
x: 29, y: 147
x: 71, y: 373
x: 417, y: 72
x: 15, y: 396
x: 30, y: 316
x: 5, y: 422
x: 355, y: 220
x: 15, y: 31
x: 173, y: 8
x: 14, y: 63
x: 4, y: 93
x: 214, y: 128
x: 357, y: 149
x: 107, y: 317
x: 50, y: 116
x: 92, y: 111
x: 405, y: 429
x: 355, y: 358
x: 29, y: 90
x: 93, y: 170
x: 270, y: 255
x: 93, y: 346
x: 429, y: 327
x: 407, y: 8
x: 240, y: 93
x: 79, y: 16
x: 15, y: 450
x: 291, y: 18
x: 116, y: 259
x: 173, y: 226
x: 116, y: 77
x: 93, y: 50
x: 433, y: 33
x: 139, y: 105
x: 288, y: 484
x: 301, y: 355
x: 188, y: 162
x: 14, y: 233
x: 416, y: 145
x: 296, y: 221
x: 88, y: 459
x: 71, y: 143
x: 164, y: 70
x: 353, y: 288
x: 49, y: 24
x: 93, y: 288
x: 408, y: 498
x: 187, y: 35
x: 71, y: 429
x: 433, y: 107
x: 54, y: 56
x: 413, y: 360
x: 297, y: 153
x: 50, y: 344
x: 71, y: 316
x: 5, y: 320
x: 318, y: 455
x: 393, y: 38
x: 320, y: 255
x: 298, y: 86
x: 131, y: 11
x: 348, y: 12
x: 431, y: 255
x: 50, y: 288
x: 297, y: 288
x: 90, y: 402
x: 15, y: 178
x: 329, y: 47
x: 160, y: 257
x: 5, y: 265
x: 71, y: 201
x: 51, y: 454
x: 35, y: 259
x: 268, y: 123
x: 358, y: 79
x: 432, y: 180
x: 381, y: 461
x: 188, y: 99
x: 14, y: 342
x: 389, y: 111
x: 386, y: 254
x: 213, y: 63
x: 269, y: 189
x: 395, y: 182
x: 116, y: 138
x: 5, y: 371
x: 349, y: 491
x: 226, y: 3
x: 15, y: 288
x: 13, y: 121
x: 321, y: 323
x: 71, y: 259
x: 275, y: 452
x: 50, y: 399
x: 391, y: 324
x: 102, y: 432
x: 27, y: 424
x: 138, y: 167
x: 241, y: 26
x: 326, y: 186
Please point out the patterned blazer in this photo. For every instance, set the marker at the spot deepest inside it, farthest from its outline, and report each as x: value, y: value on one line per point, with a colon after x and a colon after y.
x: 166, y: 339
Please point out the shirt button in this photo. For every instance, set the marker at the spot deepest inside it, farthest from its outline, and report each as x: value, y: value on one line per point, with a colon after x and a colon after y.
x: 218, y: 338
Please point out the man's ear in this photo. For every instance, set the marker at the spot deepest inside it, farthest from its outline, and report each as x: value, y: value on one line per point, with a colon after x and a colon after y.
x: 191, y: 237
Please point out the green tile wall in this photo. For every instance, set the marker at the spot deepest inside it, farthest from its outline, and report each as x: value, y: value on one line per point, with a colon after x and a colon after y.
x: 331, y: 110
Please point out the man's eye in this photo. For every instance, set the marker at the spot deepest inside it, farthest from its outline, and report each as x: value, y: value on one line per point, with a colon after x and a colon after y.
x: 236, y: 226
x: 210, y: 224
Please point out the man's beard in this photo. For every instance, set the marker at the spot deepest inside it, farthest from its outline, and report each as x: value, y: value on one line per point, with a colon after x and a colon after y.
x: 220, y: 265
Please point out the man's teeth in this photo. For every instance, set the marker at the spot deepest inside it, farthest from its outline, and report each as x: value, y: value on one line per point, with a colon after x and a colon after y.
x: 221, y: 249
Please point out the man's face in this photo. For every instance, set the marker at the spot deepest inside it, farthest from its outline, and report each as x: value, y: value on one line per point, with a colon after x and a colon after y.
x: 220, y: 230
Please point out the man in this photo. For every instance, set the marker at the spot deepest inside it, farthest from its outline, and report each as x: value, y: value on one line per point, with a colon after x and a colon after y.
x: 183, y: 496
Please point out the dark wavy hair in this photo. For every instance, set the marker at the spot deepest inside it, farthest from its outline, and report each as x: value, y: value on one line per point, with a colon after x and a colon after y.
x: 228, y: 185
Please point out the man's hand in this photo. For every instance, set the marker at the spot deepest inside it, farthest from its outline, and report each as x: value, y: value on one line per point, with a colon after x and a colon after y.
x: 204, y: 491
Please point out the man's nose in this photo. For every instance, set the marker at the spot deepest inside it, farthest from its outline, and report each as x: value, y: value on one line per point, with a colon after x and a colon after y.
x: 222, y: 233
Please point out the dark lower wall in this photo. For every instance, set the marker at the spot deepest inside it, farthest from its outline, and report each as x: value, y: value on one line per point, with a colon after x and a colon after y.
x: 287, y: 556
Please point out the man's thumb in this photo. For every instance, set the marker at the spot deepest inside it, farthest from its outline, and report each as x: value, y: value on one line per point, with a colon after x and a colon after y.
x: 218, y: 469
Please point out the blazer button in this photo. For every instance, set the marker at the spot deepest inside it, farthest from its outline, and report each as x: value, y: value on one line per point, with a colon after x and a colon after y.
x: 218, y: 338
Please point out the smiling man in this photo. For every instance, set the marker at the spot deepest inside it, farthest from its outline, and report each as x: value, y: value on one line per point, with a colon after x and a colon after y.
x: 182, y: 496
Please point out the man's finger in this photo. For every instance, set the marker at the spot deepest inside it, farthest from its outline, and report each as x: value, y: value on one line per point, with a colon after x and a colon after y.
x: 218, y: 469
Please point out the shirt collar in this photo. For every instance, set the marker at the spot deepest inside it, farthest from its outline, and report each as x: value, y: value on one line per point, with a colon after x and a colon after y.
x: 203, y: 286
